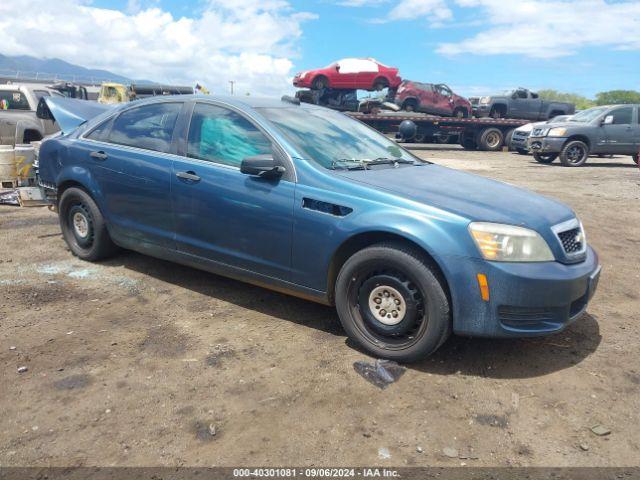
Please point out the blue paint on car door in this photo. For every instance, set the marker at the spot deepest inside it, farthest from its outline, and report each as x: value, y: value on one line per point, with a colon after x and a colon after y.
x: 222, y: 214
x: 132, y: 165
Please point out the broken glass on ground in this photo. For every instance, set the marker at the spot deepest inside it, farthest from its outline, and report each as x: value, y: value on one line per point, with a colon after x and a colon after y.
x: 382, y: 373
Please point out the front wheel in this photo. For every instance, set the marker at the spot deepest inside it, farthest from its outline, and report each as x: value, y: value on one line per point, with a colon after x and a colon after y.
x: 636, y: 158
x: 545, y: 157
x: 391, y: 303
x: 574, y: 154
x: 522, y: 151
x: 83, y: 226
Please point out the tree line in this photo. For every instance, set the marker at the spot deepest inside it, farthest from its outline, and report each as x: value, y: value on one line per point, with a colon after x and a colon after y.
x: 611, y: 97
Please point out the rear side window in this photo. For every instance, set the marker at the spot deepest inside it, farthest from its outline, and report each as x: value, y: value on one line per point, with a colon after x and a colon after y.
x: 149, y: 127
x: 622, y: 116
x: 223, y: 136
x: 13, y: 100
x: 101, y: 131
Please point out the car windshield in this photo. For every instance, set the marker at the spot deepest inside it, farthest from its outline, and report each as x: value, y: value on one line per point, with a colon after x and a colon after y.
x: 588, y: 115
x: 334, y: 140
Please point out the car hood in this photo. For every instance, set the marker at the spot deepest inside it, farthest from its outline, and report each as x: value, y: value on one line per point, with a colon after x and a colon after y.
x: 469, y: 196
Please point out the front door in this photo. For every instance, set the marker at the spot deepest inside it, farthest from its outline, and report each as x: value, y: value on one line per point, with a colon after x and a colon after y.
x: 222, y: 214
x: 619, y: 134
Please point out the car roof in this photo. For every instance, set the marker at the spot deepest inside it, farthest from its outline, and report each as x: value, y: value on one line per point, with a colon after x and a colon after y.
x: 235, y: 101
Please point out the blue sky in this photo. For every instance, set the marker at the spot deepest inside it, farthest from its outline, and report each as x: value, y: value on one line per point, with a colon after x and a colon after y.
x: 476, y: 46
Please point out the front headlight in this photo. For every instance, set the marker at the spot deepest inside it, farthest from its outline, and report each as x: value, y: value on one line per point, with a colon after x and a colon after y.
x: 508, y: 243
x: 525, y: 128
x: 557, y: 132
x: 484, y: 100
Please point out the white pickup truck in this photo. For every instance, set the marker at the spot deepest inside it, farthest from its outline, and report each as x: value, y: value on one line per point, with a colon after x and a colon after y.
x: 18, y: 121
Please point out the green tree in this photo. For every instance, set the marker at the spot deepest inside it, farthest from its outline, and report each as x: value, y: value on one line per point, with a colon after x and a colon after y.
x: 614, y: 97
x: 580, y: 101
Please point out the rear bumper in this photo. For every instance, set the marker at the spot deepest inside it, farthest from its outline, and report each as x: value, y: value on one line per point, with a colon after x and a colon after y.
x: 546, y: 144
x: 525, y: 299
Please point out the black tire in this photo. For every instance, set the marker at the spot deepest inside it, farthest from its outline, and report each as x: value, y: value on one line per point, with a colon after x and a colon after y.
x: 468, y: 142
x: 545, y: 158
x: 522, y: 151
x: 575, y: 153
x: 78, y: 213
x: 490, y: 139
x: 496, y: 113
x: 380, y: 84
x: 320, y: 83
x: 636, y: 158
x: 507, y: 137
x: 410, y: 105
x: 400, y: 276
x: 461, y: 113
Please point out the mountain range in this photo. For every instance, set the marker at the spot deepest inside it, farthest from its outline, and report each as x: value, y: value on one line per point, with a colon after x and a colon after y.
x: 49, y: 68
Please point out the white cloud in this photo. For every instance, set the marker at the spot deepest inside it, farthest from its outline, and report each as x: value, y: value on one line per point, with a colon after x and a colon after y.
x: 548, y: 29
x: 249, y: 41
x: 435, y: 10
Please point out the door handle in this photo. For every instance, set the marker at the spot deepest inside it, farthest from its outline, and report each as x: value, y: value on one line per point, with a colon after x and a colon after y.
x: 98, y: 155
x: 190, y: 175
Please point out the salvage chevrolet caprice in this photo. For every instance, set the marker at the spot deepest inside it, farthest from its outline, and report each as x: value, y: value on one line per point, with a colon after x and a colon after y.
x: 308, y: 201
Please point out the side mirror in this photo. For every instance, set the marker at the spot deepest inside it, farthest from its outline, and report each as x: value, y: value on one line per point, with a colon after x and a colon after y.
x: 608, y: 120
x: 262, y: 166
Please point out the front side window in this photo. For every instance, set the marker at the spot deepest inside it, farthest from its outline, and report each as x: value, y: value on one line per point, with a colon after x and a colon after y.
x: 149, y: 127
x: 332, y: 139
x: 13, y: 100
x: 622, y: 116
x: 220, y: 135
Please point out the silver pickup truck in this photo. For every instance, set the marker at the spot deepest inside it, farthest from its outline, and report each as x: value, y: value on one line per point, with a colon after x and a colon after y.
x: 18, y: 121
x: 520, y: 103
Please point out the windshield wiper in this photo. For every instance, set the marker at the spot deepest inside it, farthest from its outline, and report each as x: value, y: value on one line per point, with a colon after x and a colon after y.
x: 390, y: 161
x: 359, y: 164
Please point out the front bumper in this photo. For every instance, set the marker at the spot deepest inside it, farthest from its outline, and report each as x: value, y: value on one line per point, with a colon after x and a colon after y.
x: 546, y: 144
x: 525, y: 299
x: 519, y: 141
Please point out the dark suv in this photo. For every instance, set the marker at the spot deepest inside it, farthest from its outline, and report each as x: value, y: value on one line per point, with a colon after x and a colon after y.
x: 611, y: 130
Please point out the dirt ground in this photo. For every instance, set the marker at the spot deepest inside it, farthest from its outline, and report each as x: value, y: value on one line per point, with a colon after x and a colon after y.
x: 136, y: 361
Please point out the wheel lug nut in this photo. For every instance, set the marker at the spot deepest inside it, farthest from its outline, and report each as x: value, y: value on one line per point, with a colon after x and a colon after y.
x: 377, y: 300
x: 397, y: 302
x: 383, y: 312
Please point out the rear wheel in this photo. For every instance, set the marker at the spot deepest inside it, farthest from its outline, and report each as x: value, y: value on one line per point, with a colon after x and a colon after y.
x: 490, y: 139
x: 468, y: 142
x: 410, y: 105
x: 460, y: 113
x: 545, y: 157
x: 83, y: 226
x: 574, y: 153
x: 391, y: 303
x: 320, y: 83
x: 380, y: 84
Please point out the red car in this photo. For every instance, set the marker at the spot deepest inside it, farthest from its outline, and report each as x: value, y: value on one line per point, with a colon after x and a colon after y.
x: 429, y: 98
x: 352, y: 73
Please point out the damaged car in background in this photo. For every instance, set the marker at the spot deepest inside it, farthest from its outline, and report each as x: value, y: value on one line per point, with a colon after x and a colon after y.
x: 406, y: 250
x: 518, y: 140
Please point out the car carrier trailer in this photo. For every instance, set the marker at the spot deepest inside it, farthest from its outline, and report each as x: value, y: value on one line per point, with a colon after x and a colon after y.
x: 473, y: 133
x: 487, y: 134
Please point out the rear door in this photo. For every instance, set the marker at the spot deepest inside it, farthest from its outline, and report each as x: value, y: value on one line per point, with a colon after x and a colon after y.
x: 620, y: 134
x: 222, y: 214
x: 131, y: 157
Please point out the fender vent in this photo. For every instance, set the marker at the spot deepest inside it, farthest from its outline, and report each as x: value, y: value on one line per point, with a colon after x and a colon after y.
x: 326, y: 207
